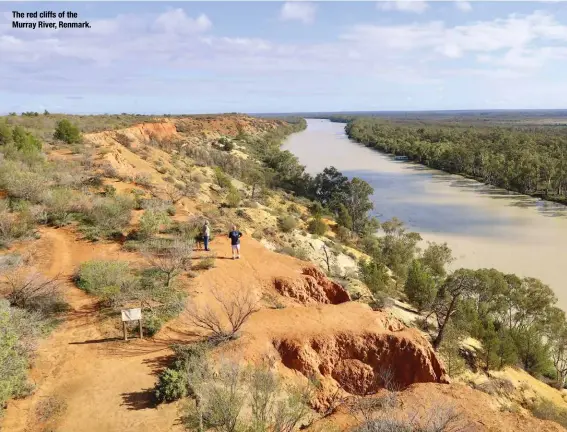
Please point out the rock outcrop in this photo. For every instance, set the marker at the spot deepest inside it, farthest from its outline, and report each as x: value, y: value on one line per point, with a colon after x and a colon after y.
x: 362, y: 363
x: 312, y: 287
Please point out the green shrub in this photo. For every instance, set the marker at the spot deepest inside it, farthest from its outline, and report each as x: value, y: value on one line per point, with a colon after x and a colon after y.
x: 177, y: 382
x: 222, y: 179
x: 420, y: 286
x: 172, y: 385
x: 107, y: 216
x: 317, y: 226
x: 108, y: 280
x: 233, y: 198
x: 59, y: 206
x: 151, y: 221
x: 293, y: 208
x: 287, y: 223
x: 205, y: 263
x: 15, y: 225
x: 228, y: 146
x: 21, y: 182
x: 19, y: 331
x: 67, y: 132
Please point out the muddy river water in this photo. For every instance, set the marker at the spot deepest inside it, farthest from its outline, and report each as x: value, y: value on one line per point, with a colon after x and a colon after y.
x: 483, y: 225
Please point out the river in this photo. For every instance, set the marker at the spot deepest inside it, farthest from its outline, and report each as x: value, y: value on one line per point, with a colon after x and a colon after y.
x: 483, y: 225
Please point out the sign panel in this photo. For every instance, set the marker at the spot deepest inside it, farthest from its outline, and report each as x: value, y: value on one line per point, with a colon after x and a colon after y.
x: 131, y: 314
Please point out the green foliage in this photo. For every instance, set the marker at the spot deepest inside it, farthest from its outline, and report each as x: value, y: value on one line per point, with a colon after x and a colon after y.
x: 420, y: 286
x: 21, y: 181
x: 15, y: 225
x: 375, y: 275
x: 225, y: 396
x: 233, y: 197
x: 526, y: 160
x: 151, y: 221
x: 222, y: 179
x: 13, y: 363
x: 205, y: 263
x: 106, y: 279
x: 172, y: 385
x: 287, y: 223
x: 343, y: 217
x: 450, y: 350
x: 398, y: 247
x: 317, y: 226
x: 59, y: 204
x: 186, y: 374
x: 107, y: 217
x: 67, y: 132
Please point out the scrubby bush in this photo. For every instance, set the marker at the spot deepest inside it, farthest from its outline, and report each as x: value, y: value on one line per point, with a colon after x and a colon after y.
x: 108, y: 280
x: 59, y: 203
x: 233, y: 198
x: 170, y: 257
x: 547, y: 410
x: 33, y: 292
x: 67, y: 132
x: 107, y: 216
x: 14, y: 225
x: 189, y: 367
x: 287, y: 223
x: 21, y: 182
x: 237, y: 307
x: 49, y: 408
x: 151, y: 221
x: 222, y: 179
x: 299, y: 253
x: 143, y: 179
x: 205, y: 263
x: 317, y: 226
x: 19, y: 332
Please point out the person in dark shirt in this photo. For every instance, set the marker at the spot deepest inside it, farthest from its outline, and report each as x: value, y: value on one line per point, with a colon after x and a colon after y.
x: 234, y: 237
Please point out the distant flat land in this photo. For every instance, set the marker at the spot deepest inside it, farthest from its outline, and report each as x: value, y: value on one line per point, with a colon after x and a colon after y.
x: 503, y: 117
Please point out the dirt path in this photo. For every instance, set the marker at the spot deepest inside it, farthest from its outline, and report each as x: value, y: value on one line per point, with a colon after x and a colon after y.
x: 106, y: 384
x: 103, y: 383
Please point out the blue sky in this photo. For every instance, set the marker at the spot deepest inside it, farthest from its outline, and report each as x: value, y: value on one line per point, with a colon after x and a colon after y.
x: 197, y: 57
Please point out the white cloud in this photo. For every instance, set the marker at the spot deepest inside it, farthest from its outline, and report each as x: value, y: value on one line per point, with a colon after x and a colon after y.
x: 463, y: 5
x: 176, y: 21
x: 298, y: 11
x: 413, y: 6
x: 120, y: 54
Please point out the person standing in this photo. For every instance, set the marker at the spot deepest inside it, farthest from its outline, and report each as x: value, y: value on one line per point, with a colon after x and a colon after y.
x: 234, y: 237
x: 206, y: 235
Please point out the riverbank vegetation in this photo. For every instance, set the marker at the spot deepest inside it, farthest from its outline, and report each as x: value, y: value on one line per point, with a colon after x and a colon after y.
x: 516, y: 319
x: 528, y: 160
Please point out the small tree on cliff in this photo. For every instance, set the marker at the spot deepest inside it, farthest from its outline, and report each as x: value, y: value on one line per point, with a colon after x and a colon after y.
x: 458, y: 286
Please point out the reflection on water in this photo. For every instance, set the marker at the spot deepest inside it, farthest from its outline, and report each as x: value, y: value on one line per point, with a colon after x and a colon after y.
x: 485, y: 226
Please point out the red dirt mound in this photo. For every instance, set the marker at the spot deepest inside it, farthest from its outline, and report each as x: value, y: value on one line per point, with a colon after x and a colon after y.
x: 312, y: 287
x: 362, y: 363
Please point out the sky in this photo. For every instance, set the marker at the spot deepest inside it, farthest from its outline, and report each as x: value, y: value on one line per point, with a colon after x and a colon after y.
x: 297, y: 56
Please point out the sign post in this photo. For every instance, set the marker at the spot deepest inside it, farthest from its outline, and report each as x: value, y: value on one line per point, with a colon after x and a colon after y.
x: 131, y: 315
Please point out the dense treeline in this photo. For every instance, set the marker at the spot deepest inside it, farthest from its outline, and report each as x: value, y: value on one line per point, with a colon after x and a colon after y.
x: 532, y: 160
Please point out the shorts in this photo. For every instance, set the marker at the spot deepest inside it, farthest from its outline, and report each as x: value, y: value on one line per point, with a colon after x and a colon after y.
x: 236, y: 248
